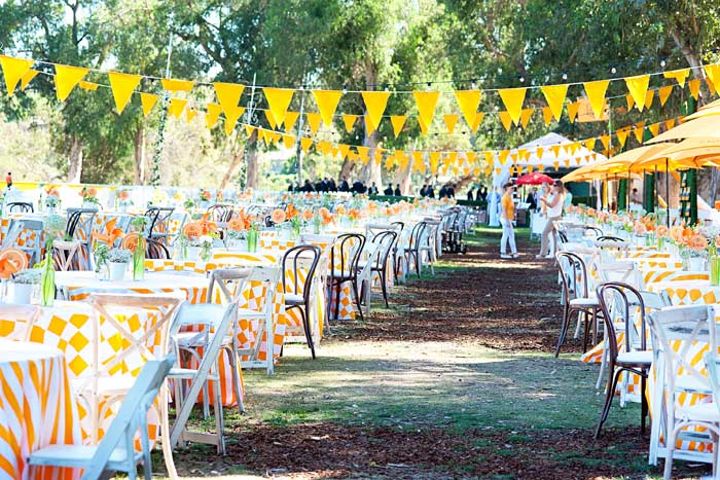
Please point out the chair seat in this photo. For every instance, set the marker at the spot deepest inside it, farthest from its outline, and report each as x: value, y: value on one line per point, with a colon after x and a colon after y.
x: 636, y: 357
x: 591, y: 301
x: 291, y: 299
x: 78, y: 456
x: 188, y: 374
x: 703, y: 412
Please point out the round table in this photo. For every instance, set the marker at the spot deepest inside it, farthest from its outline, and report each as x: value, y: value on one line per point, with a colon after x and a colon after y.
x: 37, y: 407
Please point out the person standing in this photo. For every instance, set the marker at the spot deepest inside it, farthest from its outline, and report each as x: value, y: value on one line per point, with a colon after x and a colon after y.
x: 397, y: 191
x: 553, y: 205
x: 8, y: 180
x: 531, y: 199
x: 470, y: 196
x: 507, y: 215
x: 388, y: 191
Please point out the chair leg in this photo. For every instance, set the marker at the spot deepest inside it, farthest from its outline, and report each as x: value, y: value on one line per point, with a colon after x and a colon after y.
x: 219, y: 419
x: 357, y: 299
x: 586, y: 336
x: 670, y: 449
x: 563, y: 330
x: 234, y: 365
x: 384, y: 287
x: 337, y: 299
x: 308, y: 333
x: 609, y: 394
x: 643, y: 404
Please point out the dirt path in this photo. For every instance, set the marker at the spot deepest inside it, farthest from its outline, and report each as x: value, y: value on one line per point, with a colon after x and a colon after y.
x: 455, y: 380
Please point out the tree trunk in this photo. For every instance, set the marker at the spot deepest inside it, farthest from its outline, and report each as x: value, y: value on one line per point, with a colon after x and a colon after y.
x: 236, y: 159
x: 404, y: 177
x: 76, y: 160
x: 347, y: 168
x: 140, y: 155
x: 372, y: 172
x: 252, y: 165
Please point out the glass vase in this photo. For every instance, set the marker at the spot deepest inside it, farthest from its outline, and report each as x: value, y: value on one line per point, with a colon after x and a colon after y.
x: 47, y: 282
x: 714, y: 265
x: 252, y: 240
x: 138, y: 260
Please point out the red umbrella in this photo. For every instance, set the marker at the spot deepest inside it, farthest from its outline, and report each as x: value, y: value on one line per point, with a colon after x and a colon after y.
x: 533, y: 178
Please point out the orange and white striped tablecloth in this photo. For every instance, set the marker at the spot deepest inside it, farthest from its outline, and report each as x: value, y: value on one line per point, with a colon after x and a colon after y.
x: 37, y: 407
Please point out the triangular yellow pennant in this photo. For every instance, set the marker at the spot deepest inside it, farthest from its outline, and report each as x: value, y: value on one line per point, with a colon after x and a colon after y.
x: 547, y: 115
x: 573, y: 111
x: 605, y: 139
x: 231, y: 119
x: 148, y: 101
x: 669, y: 124
x: 555, y: 98
x: 622, y: 135
x: 66, y: 78
x: 434, y: 162
x: 212, y: 115
x: 649, y: 97
x: 344, y: 151
x: 630, y: 101
x: 290, y: 119
x: 556, y: 150
x: 595, y: 92
x: 590, y: 143
x: 638, y: 131
x: 679, y: 75
x: 539, y: 152
x: 527, y: 114
x: 398, y: 122
x: 424, y: 127
x: 190, y: 114
x: 710, y: 86
x: 349, y: 121
x: 479, y: 116
x: 375, y: 104
x: 228, y: 95
x: 426, y: 102
x: 513, y: 99
x: 468, y: 100
x: 713, y: 75
x: 327, y: 102
x: 471, y: 157
x: 14, y: 69
x: 490, y: 158
x: 654, y: 129
x: 288, y: 140
x: 175, y: 85
x: 363, y: 153
x: 503, y: 156
x: 450, y: 120
x: 694, y: 87
x: 305, y: 144
x: 249, y: 130
x: 637, y: 87
x: 123, y: 85
x: 270, y: 119
x: 664, y: 94
x: 313, y: 120
x: 27, y: 78
x: 278, y: 100
x: 418, y: 162
x: 505, y: 120
x: 176, y: 107
x: 88, y: 86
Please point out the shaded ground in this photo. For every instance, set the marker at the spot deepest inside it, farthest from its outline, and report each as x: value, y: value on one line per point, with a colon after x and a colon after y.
x: 455, y: 380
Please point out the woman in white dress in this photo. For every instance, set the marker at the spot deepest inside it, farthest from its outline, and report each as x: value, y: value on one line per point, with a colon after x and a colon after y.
x: 553, y: 205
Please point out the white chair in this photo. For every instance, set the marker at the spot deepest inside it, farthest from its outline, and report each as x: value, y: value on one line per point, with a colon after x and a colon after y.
x: 116, y: 451
x: 364, y: 276
x: 676, y: 332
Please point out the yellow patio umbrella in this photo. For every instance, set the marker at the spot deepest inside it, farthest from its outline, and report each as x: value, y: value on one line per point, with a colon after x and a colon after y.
x: 705, y: 112
x: 704, y: 127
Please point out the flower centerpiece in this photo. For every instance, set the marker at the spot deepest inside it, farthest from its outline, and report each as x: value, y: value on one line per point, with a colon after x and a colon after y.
x: 197, y: 239
x: 118, y: 260
x: 138, y: 256
x: 124, y: 200
x: 714, y: 260
x: 52, y: 199
x: 24, y: 282
x: 696, y: 246
x: 101, y: 252
x: 89, y: 197
x: 237, y: 229
x: 55, y: 231
x: 205, y: 197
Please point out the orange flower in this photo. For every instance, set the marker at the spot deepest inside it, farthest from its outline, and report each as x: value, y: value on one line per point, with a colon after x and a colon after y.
x: 278, y: 216
x: 354, y: 214
x: 697, y: 242
x: 123, y: 195
x: 91, y: 192
x: 240, y: 222
x: 206, y: 226
x: 290, y: 211
x: 676, y: 233
x: 340, y: 210
x: 51, y: 191
x: 639, y: 228
x: 662, y: 231
x: 307, y: 215
x: 193, y: 230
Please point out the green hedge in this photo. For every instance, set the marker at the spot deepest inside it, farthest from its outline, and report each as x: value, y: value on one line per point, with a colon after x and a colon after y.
x: 394, y: 199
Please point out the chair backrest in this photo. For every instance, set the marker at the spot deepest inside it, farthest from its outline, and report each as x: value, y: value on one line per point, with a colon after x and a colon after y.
x: 226, y: 284
x: 220, y: 213
x: 573, y: 275
x: 386, y: 242
x: 25, y: 235
x: 20, y: 207
x: 345, y: 253
x: 595, y: 231
x: 136, y: 403
x: 416, y: 234
x: 624, y: 272
x: 712, y: 361
x: 80, y: 223
x: 156, y: 250
x: 655, y: 301
x: 676, y: 331
x: 609, y: 238
x: 158, y: 221
x: 622, y: 303
x: 298, y: 270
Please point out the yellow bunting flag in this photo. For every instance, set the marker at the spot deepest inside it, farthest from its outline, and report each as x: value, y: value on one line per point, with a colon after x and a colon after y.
x: 344, y: 150
x: 664, y: 94
x: 212, y: 115
x: 190, y: 114
x: 556, y: 150
x: 375, y: 104
x: 123, y: 85
x: 426, y: 102
x: 377, y: 156
x: 555, y: 98
x: 290, y: 119
x: 278, y: 100
x: 694, y: 87
x: 327, y: 102
x: 573, y: 109
x: 398, y: 122
x: 630, y: 101
x: 450, y: 122
x: 505, y: 120
x: 654, y: 129
x: 637, y: 87
x: 547, y: 115
x: 305, y: 144
x: 503, y: 156
x: 669, y: 124
x: 418, y: 162
x: 712, y: 72
x: 148, y: 101
x: 176, y: 107
x: 313, y: 120
x: 513, y: 99
x: 490, y: 158
x: 288, y: 140
x: 471, y: 157
x: 175, y: 85
x: 231, y: 119
x: 88, y: 86
x: 14, y: 69
x: 66, y: 78
x: 678, y: 75
x: 363, y: 153
x: 468, y: 101
x: 638, y: 131
x: 434, y: 162
x: 539, y: 152
x: 595, y: 92
x: 649, y: 97
x: 269, y: 117
x: 710, y: 86
x: 479, y: 117
x: 622, y: 135
x: 228, y: 95
x: 527, y: 114
x: 590, y: 143
x: 27, y: 78
x: 349, y: 121
x: 249, y: 130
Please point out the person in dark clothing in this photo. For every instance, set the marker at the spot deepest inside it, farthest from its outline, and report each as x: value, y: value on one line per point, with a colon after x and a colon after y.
x: 450, y: 191
x: 319, y: 186
x: 291, y: 187
x: 308, y: 187
x: 397, y: 191
x: 430, y: 191
x: 344, y: 185
x: 532, y: 199
x: 389, y: 190
x: 332, y: 186
x: 423, y: 190
x: 358, y: 187
x: 482, y: 194
x: 470, y: 196
x: 373, y: 190
x: 443, y: 192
